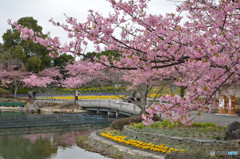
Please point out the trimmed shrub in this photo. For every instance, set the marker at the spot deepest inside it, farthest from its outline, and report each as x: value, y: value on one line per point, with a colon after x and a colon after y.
x: 201, y: 124
x: 120, y: 123
x: 4, y: 92
x: 156, y: 118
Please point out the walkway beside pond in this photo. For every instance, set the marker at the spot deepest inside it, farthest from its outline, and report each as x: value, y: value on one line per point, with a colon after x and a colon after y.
x: 220, y: 120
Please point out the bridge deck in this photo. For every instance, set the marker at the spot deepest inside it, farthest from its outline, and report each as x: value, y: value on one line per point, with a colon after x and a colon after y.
x: 110, y: 105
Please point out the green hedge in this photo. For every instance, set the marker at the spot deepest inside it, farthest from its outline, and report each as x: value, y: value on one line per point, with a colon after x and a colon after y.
x: 20, y: 90
x: 91, y: 90
x: 59, y: 90
x: 101, y: 90
x: 4, y: 92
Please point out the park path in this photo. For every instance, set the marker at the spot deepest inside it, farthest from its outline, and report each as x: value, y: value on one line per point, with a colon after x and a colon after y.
x: 220, y: 120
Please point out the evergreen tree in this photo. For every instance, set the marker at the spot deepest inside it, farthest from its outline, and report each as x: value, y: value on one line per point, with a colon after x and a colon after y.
x: 34, y: 56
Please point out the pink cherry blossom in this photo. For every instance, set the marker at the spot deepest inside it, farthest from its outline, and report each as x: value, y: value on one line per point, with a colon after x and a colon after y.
x: 200, y: 53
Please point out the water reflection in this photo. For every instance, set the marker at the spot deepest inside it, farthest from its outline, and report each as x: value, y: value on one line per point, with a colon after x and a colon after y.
x: 46, y: 142
x: 17, y: 147
x: 75, y: 153
x: 44, y: 146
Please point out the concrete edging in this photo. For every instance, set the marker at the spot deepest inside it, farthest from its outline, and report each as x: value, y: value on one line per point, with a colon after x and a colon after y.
x: 177, y: 138
x: 183, y: 140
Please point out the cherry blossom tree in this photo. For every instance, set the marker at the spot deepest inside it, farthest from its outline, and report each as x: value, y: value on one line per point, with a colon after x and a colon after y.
x: 82, y: 72
x: 48, y: 79
x: 49, y: 76
x: 12, y: 72
x: 200, y: 53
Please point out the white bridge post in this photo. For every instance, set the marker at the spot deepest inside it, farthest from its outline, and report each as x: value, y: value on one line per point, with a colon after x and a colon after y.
x: 98, y: 111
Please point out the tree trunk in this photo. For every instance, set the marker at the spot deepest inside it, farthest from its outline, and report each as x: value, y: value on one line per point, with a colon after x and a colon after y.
x: 182, y: 89
x: 143, y: 110
x: 15, y: 91
x: 75, y: 98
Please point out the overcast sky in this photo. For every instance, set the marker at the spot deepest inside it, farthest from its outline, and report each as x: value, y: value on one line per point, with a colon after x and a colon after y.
x: 43, y: 10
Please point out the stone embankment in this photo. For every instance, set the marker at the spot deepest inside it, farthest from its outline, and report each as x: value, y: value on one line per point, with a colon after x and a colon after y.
x: 46, y: 107
x: 53, y: 107
x: 11, y: 109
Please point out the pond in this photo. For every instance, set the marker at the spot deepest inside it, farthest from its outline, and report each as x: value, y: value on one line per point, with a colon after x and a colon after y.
x: 48, y: 142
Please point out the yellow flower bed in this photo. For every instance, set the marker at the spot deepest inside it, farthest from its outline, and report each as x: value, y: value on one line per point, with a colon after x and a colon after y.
x: 153, y: 95
x: 158, y: 148
x: 92, y: 97
x: 86, y: 97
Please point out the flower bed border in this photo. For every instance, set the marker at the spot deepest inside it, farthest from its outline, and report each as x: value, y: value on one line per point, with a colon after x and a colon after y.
x: 96, y: 135
x: 194, y: 143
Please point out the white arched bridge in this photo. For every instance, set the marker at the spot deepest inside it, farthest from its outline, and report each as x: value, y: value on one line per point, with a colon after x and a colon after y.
x: 110, y: 106
x: 104, y: 105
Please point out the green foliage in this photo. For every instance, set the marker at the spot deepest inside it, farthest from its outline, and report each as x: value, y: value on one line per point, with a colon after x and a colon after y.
x: 60, y: 90
x: 101, y: 90
x: 29, y: 22
x: 197, y: 130
x: 167, y: 90
x: 3, y: 92
x: 103, y: 131
x: 140, y: 126
x: 89, y: 90
x: 19, y: 53
x: 62, y: 60
x: 218, y: 138
x: 165, y: 123
x: 168, y: 124
x: 4, y: 55
x: 201, y: 124
x: 156, y: 125
x: 34, y: 64
x: 33, y: 55
x: 162, y: 124
x: 225, y: 137
x: 108, y: 53
x: 22, y: 90
x: 46, y: 61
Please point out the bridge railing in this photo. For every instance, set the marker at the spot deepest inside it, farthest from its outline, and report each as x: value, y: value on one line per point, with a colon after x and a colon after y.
x: 111, y: 104
x: 117, y: 105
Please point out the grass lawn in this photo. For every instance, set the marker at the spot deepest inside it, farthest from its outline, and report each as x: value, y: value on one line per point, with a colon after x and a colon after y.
x: 206, y: 131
